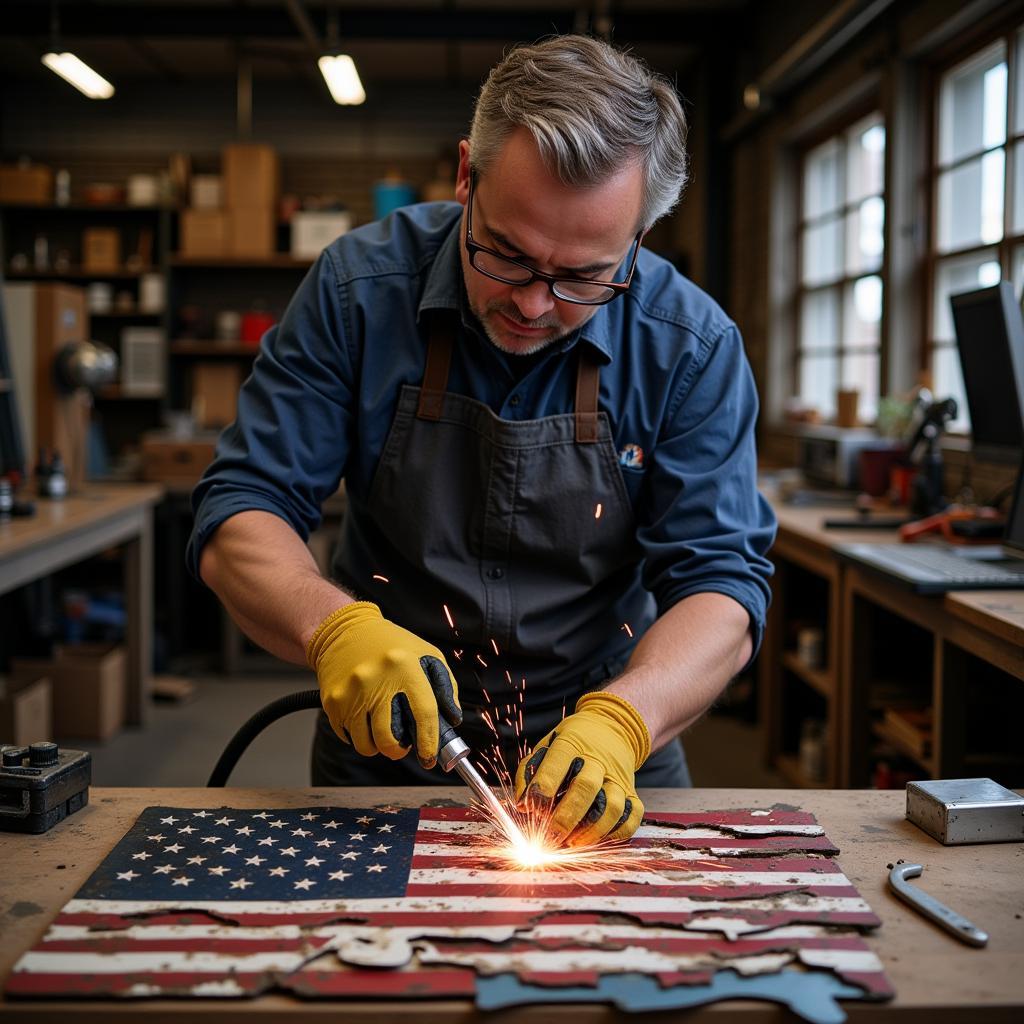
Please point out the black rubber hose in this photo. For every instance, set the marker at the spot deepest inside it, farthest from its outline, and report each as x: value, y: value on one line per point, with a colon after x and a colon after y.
x: 304, y: 700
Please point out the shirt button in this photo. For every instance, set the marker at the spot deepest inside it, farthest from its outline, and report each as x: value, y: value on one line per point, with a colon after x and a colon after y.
x: 496, y: 573
x: 514, y: 400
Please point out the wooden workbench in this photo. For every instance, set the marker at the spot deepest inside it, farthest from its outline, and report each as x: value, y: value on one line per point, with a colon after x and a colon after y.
x: 67, y: 531
x: 937, y: 979
x: 953, y: 636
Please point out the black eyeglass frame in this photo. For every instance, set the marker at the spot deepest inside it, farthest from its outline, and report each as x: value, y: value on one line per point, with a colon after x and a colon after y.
x: 551, y: 280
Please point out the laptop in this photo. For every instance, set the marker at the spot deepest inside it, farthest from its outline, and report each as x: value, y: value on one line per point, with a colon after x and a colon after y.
x: 938, y: 568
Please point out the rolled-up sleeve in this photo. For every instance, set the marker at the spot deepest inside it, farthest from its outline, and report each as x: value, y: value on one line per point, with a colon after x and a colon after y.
x: 704, y: 527
x: 287, y: 449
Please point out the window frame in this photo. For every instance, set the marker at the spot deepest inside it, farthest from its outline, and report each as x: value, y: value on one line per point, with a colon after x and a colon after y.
x: 837, y: 128
x: 1010, y: 245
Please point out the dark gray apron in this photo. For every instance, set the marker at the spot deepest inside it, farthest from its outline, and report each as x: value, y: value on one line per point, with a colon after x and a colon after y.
x: 495, y: 520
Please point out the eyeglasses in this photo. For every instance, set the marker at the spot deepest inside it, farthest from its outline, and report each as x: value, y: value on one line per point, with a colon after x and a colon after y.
x: 581, y: 290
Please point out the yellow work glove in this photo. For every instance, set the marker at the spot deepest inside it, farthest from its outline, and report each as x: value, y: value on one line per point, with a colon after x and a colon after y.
x: 584, y: 771
x: 381, y: 685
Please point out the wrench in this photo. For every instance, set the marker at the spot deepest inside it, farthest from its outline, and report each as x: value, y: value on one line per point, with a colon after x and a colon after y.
x: 931, y: 908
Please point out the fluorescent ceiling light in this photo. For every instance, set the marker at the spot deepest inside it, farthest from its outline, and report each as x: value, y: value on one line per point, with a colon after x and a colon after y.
x: 79, y: 74
x: 342, y: 79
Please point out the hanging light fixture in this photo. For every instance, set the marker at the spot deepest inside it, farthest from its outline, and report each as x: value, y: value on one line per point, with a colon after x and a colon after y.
x: 73, y: 69
x: 339, y: 69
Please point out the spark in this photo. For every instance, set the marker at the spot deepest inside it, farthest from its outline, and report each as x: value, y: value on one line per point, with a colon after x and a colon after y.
x: 597, y: 511
x: 629, y: 632
x: 383, y: 579
x: 448, y: 616
x: 481, y: 660
x: 494, y: 644
x: 458, y: 655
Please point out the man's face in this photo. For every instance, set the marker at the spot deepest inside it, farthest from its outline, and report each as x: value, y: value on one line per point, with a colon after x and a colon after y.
x: 524, y: 212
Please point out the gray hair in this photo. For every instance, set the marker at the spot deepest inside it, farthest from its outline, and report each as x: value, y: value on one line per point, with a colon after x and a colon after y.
x: 591, y: 109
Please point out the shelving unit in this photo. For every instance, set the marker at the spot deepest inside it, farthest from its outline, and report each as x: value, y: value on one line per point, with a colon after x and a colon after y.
x: 960, y: 657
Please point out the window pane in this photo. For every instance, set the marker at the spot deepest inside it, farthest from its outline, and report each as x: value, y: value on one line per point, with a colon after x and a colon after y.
x: 822, y: 185
x: 972, y: 105
x: 971, y: 203
x: 1018, y: 271
x: 862, y: 313
x: 960, y: 274
x: 948, y: 382
x: 822, y: 255
x: 865, y: 158
x: 818, y: 383
x: 861, y: 371
x: 819, y: 319
x: 1020, y: 82
x: 864, y: 236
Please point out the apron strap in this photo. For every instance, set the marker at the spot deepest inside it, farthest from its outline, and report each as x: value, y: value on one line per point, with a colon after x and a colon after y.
x: 435, y: 376
x: 588, y: 386
x: 435, y: 382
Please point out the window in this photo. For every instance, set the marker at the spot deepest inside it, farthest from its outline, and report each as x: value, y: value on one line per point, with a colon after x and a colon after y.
x: 977, y: 196
x: 841, y: 246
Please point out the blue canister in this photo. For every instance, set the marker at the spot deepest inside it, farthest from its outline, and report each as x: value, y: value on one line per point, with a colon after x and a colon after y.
x: 391, y: 193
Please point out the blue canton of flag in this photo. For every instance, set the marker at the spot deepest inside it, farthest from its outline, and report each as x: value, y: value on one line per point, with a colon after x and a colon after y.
x: 304, y: 853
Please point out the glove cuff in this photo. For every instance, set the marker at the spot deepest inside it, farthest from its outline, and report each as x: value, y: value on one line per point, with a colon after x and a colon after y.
x: 339, y: 619
x: 623, y: 714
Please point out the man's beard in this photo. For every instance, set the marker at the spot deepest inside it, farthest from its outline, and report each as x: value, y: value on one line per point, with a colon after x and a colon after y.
x: 498, y: 341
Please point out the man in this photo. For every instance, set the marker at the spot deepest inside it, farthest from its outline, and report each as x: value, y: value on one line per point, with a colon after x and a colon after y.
x: 546, y: 436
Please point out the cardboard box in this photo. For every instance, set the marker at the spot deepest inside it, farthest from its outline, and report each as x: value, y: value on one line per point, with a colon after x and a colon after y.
x: 314, y: 230
x: 26, y: 710
x: 252, y: 175
x: 26, y: 183
x: 90, y: 686
x: 215, y: 392
x: 174, y: 460
x: 204, y: 233
x: 252, y: 231
x: 207, y: 191
x: 101, y: 249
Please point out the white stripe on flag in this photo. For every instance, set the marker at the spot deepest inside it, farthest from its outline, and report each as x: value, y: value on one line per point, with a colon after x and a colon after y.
x: 538, y: 879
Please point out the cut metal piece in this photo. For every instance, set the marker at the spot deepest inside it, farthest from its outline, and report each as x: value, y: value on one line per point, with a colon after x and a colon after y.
x: 931, y: 908
x: 958, y: 811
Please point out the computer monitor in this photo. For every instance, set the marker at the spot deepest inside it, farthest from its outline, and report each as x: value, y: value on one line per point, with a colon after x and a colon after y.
x: 990, y: 339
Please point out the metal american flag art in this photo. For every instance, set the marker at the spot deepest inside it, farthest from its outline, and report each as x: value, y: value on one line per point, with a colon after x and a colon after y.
x: 396, y: 903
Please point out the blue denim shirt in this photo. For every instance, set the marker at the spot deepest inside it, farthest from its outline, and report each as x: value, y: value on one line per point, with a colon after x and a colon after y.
x: 675, y: 384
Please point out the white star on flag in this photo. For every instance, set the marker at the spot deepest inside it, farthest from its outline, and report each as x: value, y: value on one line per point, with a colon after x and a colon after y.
x: 186, y: 831
x: 224, y: 821
x: 240, y: 883
x: 351, y: 855
x: 141, y: 856
x: 308, y: 816
x: 330, y: 824
x: 385, y: 828
x: 339, y: 876
x: 243, y: 831
x: 201, y: 814
x: 157, y: 838
x: 376, y: 867
x: 164, y: 869
x: 304, y: 883
x: 269, y: 841
x: 211, y: 839
x: 313, y: 862
x: 255, y: 859
x: 363, y: 820
x: 127, y: 875
x: 289, y: 851
x: 277, y: 824
x: 173, y: 848
x: 357, y: 835
x: 301, y: 832
x: 230, y: 849
x: 279, y: 872
x: 324, y: 842
x: 381, y: 848
x: 195, y: 860
x: 218, y: 871
x: 168, y: 821
x: 262, y: 814
x: 181, y: 880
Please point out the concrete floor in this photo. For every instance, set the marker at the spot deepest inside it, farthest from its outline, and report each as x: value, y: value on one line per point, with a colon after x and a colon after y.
x: 182, y: 742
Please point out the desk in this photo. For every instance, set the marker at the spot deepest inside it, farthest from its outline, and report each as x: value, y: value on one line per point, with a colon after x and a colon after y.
x: 880, y: 637
x: 68, y: 531
x: 937, y: 979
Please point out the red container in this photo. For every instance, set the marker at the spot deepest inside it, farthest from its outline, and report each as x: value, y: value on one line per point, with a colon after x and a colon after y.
x: 254, y: 326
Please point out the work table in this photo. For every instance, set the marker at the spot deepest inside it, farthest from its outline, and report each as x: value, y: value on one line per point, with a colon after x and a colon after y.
x: 936, y: 978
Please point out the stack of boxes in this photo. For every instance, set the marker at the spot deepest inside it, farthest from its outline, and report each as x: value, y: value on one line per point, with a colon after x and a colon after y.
x: 238, y: 218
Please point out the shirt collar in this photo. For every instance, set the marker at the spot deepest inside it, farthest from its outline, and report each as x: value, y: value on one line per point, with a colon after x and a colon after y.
x: 443, y: 291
